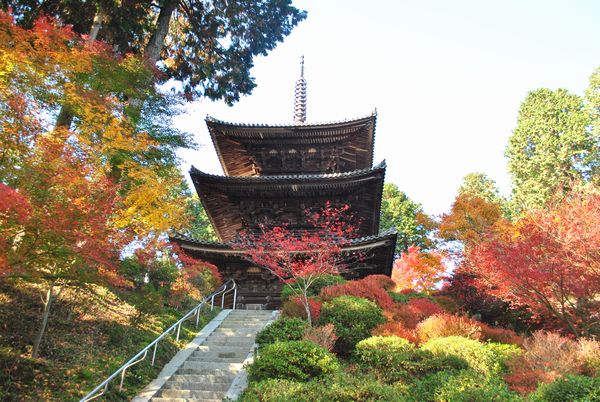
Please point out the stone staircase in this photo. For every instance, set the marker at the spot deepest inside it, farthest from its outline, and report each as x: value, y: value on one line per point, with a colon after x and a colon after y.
x: 207, y: 368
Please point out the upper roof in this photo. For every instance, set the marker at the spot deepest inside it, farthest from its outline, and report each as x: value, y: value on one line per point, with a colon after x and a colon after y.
x: 240, y: 203
x: 255, y: 149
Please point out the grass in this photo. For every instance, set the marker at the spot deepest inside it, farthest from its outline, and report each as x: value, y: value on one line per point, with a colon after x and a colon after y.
x: 90, y: 334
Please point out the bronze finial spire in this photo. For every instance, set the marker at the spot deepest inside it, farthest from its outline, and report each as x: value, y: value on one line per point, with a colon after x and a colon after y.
x: 300, y: 96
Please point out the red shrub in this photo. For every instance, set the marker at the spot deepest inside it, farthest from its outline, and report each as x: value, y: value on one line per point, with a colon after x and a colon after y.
x: 525, y: 381
x: 323, y: 336
x: 294, y: 307
x: 424, y: 307
x: 395, y: 328
x: 500, y: 335
x: 382, y: 281
x: 404, y: 314
x: 368, y: 289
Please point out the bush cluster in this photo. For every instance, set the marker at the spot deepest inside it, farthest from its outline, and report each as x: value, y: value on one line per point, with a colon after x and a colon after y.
x: 353, y: 318
x: 478, y: 356
x: 283, y: 329
x: 293, y: 360
x: 444, y: 325
x: 314, y: 290
x: 366, y: 288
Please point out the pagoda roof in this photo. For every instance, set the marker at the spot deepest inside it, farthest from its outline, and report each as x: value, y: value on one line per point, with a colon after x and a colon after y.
x: 384, y: 243
x: 236, y: 203
x: 241, y: 147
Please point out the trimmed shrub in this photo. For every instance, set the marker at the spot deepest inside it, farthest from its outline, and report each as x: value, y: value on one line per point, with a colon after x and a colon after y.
x: 353, y: 318
x: 469, y: 386
x: 293, y: 360
x: 504, y: 352
x: 477, y: 355
x: 366, y: 289
x: 589, y: 355
x: 342, y: 388
x: 424, y: 307
x: 323, y: 336
x: 500, y: 335
x: 575, y: 388
x: 282, y: 329
x: 314, y: 290
x: 386, y: 355
x: 395, y: 328
x: 392, y: 358
x: 411, y: 313
x: 444, y: 325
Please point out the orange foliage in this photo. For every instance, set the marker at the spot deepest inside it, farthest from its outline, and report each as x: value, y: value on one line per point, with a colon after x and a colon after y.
x: 418, y: 270
x: 443, y: 325
x: 382, y: 281
x: 469, y: 220
x: 294, y: 307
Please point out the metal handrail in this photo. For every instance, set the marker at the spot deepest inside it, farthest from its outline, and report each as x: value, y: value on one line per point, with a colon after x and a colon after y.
x: 141, y: 355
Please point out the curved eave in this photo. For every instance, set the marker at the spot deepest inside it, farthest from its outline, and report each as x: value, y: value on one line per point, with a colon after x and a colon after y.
x: 227, y: 134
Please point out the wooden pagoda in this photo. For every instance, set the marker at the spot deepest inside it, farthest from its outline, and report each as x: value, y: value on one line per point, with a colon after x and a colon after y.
x: 273, y: 174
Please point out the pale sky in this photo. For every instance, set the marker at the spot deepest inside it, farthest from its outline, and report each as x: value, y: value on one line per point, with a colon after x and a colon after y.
x: 447, y: 78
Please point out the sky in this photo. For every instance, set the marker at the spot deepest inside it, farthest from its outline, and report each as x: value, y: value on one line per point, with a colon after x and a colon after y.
x: 446, y: 77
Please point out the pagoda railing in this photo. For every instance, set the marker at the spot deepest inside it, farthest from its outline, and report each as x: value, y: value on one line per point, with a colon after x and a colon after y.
x: 102, y: 388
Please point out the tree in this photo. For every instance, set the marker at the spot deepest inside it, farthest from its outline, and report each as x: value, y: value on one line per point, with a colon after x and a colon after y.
x: 418, y: 270
x: 470, y: 219
x: 208, y: 46
x: 548, y: 263
x: 551, y: 148
x: 299, y: 257
x: 199, y: 225
x: 480, y: 185
x: 76, y: 210
x: 412, y: 224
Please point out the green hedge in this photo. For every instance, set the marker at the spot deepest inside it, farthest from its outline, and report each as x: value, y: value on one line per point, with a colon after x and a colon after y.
x: 575, y: 388
x: 478, y: 356
x: 342, y: 388
x: 293, y: 360
x: 353, y: 318
x: 392, y: 358
x: 282, y: 329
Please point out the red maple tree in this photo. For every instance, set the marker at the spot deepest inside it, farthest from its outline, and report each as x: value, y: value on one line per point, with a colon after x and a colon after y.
x: 548, y: 262
x: 298, y: 257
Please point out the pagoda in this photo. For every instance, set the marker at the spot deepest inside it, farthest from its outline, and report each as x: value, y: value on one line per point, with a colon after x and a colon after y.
x: 273, y: 174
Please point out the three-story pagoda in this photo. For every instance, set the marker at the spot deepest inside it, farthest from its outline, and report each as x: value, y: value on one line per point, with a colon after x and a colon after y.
x: 273, y: 174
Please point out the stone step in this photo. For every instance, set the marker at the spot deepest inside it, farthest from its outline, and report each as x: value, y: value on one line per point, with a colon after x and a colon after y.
x: 219, y: 355
x: 222, y: 348
x: 160, y: 399
x: 196, y: 386
x: 229, y: 333
x: 238, y: 343
x: 255, y: 327
x: 177, y: 393
x: 198, y: 371
x: 224, y: 378
x: 232, y: 367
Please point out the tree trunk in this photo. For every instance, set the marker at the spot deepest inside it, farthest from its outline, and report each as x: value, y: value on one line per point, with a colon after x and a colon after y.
x: 157, y: 41
x: 44, y: 323
x: 307, y: 307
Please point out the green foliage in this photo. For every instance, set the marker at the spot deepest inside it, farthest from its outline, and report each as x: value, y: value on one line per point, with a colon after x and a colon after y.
x: 342, y: 388
x: 199, y: 227
x: 504, y: 352
x: 293, y: 360
x: 480, y: 185
x: 399, y: 211
x: 392, y: 358
x: 353, y: 318
x: 406, y: 297
x: 461, y: 386
x: 318, y: 283
x: 574, y: 388
x: 282, y: 329
x: 551, y: 147
x: 477, y: 355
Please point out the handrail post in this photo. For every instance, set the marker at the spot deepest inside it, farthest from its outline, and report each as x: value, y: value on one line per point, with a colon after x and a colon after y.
x: 122, y: 379
x: 178, y: 330
x: 212, y: 303
x: 234, y: 297
x: 154, y: 353
x: 197, y: 317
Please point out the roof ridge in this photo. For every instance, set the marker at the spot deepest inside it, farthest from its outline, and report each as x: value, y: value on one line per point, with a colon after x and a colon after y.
x: 211, y: 119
